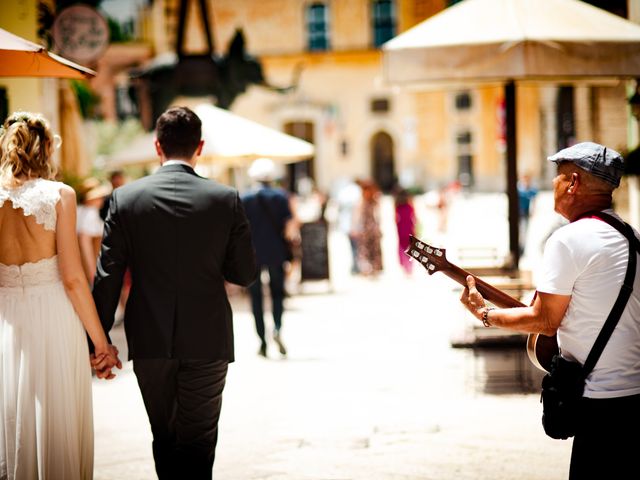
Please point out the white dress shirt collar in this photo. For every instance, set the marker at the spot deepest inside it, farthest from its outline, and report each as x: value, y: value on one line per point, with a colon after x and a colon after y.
x: 177, y: 162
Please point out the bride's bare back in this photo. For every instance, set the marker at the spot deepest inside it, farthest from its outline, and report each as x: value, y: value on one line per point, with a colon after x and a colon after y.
x: 23, y: 240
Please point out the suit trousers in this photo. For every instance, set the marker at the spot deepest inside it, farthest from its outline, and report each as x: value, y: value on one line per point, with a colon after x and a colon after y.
x: 183, y: 399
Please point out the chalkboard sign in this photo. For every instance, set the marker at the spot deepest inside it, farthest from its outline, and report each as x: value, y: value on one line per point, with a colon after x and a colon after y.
x: 315, y: 253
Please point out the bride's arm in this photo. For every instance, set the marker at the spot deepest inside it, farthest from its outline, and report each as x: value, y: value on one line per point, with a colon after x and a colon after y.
x: 72, y: 273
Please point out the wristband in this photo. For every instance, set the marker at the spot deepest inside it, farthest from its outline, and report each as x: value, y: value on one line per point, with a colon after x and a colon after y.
x: 485, y: 316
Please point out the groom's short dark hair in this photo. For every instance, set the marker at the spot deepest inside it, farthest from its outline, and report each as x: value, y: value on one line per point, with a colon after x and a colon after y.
x: 178, y: 131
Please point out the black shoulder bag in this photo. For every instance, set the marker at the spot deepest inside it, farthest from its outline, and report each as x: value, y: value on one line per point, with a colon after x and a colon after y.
x: 563, y: 386
x: 288, y: 250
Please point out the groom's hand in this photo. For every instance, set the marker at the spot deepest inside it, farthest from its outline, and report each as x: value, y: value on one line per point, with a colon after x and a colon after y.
x: 100, y: 365
x: 104, y: 362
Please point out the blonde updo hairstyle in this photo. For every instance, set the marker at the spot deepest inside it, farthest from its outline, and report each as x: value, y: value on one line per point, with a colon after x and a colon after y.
x: 26, y: 147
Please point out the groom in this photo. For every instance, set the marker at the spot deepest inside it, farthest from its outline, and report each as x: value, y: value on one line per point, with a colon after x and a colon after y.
x: 182, y: 236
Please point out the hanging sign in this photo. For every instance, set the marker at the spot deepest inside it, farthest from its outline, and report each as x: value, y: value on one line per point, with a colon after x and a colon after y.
x: 80, y: 34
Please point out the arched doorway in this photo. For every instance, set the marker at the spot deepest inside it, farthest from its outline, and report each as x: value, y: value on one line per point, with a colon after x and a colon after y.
x: 382, y: 162
x: 304, y: 168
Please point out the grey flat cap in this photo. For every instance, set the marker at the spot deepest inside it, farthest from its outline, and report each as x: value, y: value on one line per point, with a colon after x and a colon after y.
x: 596, y: 159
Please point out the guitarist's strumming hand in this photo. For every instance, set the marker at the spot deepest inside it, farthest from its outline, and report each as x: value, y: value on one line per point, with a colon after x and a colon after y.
x: 474, y: 301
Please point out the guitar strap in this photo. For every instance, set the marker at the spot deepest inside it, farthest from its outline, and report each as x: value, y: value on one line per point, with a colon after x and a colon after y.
x: 625, y: 291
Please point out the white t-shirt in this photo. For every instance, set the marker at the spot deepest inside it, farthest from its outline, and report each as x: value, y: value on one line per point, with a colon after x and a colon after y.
x: 588, y: 259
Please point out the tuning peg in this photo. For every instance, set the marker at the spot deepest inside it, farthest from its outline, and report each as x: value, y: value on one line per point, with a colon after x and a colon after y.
x: 419, y: 244
x: 438, y: 252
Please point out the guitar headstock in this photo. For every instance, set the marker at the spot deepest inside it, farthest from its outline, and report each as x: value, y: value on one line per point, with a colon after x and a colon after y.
x: 431, y: 258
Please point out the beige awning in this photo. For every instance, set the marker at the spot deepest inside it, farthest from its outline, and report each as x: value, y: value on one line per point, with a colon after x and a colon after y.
x: 22, y: 58
x: 515, y: 39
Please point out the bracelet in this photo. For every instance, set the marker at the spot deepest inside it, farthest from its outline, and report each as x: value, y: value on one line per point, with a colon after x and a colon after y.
x: 485, y: 316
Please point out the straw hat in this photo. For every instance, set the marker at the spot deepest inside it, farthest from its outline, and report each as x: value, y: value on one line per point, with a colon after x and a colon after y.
x: 100, y: 191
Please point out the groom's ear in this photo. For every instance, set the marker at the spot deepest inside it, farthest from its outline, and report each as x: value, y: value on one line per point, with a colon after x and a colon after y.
x: 199, y: 149
x: 158, y: 148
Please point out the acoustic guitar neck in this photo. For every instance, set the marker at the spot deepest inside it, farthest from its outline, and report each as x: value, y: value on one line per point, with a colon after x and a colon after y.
x: 489, y: 292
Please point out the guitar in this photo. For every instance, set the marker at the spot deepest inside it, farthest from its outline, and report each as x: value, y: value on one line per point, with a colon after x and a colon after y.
x: 540, y: 348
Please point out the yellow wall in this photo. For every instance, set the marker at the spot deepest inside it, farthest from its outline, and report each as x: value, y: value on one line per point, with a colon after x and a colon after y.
x: 431, y: 110
x: 529, y: 150
x: 21, y: 19
x: 275, y: 27
x: 412, y: 12
x: 489, y: 157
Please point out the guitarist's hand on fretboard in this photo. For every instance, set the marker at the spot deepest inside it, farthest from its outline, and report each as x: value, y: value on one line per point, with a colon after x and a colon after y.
x: 473, y: 300
x: 540, y: 348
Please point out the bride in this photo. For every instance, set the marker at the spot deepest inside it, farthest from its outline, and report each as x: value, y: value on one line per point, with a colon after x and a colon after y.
x: 46, y: 312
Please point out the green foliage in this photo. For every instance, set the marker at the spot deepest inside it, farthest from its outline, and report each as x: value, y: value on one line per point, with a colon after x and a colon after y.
x: 87, y: 98
x: 415, y: 190
x: 112, y: 137
x: 117, y: 34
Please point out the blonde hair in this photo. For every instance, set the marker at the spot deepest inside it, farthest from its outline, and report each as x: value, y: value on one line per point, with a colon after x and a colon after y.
x: 26, y: 146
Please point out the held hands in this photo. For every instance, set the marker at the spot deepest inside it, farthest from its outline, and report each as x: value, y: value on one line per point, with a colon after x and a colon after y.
x: 104, y: 360
x: 472, y: 299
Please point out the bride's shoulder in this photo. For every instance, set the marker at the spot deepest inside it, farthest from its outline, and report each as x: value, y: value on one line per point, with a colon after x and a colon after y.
x: 66, y: 190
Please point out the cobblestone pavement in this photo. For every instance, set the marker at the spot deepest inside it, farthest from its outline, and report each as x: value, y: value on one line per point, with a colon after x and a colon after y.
x: 371, y: 389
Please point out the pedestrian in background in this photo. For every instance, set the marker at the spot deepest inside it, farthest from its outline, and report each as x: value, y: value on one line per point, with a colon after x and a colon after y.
x: 583, y: 268
x: 183, y: 236
x: 90, y: 226
x: 367, y: 230
x: 526, y: 194
x: 405, y: 226
x: 117, y: 179
x: 269, y: 214
x: 348, y: 197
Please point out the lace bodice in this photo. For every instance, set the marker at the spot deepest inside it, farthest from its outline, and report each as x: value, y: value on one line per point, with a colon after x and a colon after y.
x: 36, y: 197
x: 42, y: 272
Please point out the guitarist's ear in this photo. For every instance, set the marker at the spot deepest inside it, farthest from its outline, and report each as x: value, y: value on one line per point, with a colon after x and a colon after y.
x: 575, y: 181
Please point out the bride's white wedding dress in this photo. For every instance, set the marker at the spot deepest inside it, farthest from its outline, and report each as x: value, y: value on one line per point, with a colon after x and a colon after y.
x: 46, y: 428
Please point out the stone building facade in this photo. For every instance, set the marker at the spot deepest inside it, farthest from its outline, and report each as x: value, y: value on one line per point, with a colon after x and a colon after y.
x: 362, y: 127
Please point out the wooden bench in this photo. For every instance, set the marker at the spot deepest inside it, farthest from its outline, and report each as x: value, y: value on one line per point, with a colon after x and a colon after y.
x: 499, y: 359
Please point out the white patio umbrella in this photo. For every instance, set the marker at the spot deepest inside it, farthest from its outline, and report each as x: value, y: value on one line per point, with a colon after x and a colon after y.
x: 512, y: 40
x: 229, y: 139
x: 21, y: 58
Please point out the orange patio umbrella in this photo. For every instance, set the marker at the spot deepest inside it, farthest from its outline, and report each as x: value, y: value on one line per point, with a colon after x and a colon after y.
x: 22, y: 58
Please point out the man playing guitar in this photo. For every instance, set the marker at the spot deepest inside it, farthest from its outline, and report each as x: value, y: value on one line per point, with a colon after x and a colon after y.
x: 584, y: 264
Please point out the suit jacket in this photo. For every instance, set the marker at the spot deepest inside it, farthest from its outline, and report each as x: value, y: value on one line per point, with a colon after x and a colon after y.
x: 267, y: 227
x: 181, y: 236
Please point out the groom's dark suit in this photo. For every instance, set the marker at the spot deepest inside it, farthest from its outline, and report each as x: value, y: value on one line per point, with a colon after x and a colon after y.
x: 182, y: 236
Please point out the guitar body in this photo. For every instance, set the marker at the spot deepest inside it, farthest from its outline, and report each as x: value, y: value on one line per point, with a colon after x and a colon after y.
x: 540, y: 348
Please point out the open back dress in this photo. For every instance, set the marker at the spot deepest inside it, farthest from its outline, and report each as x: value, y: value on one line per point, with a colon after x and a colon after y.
x: 46, y: 424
